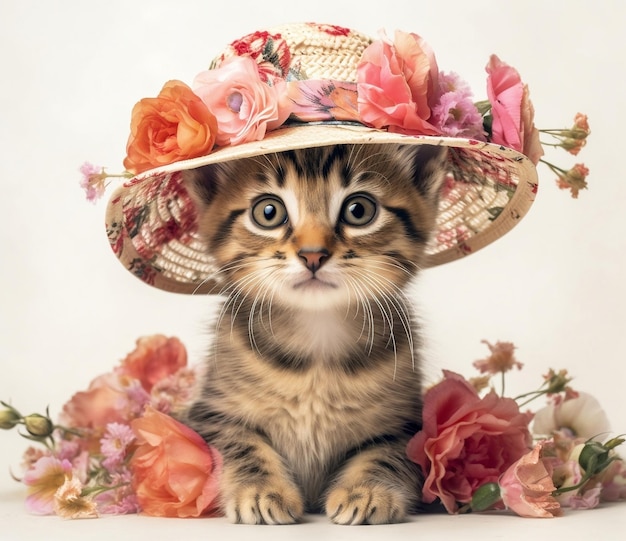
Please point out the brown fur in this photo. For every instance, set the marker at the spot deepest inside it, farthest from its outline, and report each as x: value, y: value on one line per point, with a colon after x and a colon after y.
x: 312, y: 387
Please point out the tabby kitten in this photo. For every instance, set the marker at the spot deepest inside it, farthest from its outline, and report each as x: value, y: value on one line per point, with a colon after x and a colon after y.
x: 312, y: 387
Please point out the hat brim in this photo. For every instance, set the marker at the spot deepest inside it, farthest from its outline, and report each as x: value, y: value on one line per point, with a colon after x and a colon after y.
x: 151, y: 219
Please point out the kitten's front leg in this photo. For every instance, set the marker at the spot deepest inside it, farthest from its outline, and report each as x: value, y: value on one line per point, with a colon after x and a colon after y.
x: 255, y: 487
x: 377, y: 486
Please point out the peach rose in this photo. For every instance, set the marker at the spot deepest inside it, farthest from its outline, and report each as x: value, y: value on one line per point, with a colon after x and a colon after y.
x: 526, y: 487
x: 246, y: 107
x: 397, y: 84
x: 154, y: 359
x: 176, y: 125
x: 466, y: 441
x: 175, y: 472
x: 104, y: 401
x: 512, y: 111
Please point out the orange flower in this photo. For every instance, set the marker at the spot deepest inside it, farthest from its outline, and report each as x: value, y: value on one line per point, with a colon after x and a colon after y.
x: 526, y: 487
x: 176, y: 125
x: 155, y: 358
x: 175, y: 472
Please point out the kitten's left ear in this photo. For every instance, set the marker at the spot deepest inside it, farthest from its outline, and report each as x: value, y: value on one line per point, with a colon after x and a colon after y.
x: 429, y: 169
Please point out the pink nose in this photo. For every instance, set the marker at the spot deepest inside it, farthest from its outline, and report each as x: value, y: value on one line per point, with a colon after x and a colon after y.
x: 313, y: 259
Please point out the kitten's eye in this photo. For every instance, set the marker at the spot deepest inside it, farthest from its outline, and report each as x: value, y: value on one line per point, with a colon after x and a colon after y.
x: 269, y: 213
x: 358, y: 210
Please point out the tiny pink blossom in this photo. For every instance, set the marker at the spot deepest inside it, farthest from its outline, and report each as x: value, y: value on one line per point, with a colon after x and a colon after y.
x: 614, y: 482
x: 114, y: 445
x: 43, y: 480
x: 502, y: 358
x: 588, y: 499
x: 92, y: 181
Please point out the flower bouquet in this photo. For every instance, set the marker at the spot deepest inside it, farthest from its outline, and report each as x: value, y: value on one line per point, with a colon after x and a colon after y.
x: 118, y: 448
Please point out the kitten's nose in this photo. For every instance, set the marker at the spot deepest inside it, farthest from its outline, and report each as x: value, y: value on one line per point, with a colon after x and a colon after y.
x: 314, y: 259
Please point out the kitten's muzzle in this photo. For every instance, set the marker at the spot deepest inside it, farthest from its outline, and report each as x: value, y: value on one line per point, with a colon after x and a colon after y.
x: 314, y: 259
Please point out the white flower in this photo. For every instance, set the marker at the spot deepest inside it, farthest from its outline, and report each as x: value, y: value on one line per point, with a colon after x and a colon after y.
x: 582, y: 415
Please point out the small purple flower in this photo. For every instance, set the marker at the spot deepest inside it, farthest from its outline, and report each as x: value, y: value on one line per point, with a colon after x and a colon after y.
x: 455, y: 114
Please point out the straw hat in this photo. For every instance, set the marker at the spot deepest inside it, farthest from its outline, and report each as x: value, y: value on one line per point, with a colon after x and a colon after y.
x: 310, y: 85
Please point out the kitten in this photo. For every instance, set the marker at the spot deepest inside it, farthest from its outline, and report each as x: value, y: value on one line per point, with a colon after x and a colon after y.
x: 312, y: 388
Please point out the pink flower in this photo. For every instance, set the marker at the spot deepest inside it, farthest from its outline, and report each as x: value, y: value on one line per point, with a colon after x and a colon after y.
x: 466, y: 441
x: 512, y: 110
x: 91, y: 410
x: 175, y: 472
x: 397, y: 85
x: 526, y: 487
x: 43, y: 480
x: 245, y: 106
x: 174, y: 391
x: 614, y: 482
x: 92, y: 181
x: 502, y: 358
x: 455, y: 113
x: 114, y: 445
x: 155, y: 358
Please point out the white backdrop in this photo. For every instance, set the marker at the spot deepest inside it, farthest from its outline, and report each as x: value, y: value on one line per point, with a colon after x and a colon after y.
x: 71, y: 72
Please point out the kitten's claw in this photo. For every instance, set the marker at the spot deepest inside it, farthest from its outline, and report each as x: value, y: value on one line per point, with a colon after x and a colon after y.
x: 366, y: 505
x: 268, y: 504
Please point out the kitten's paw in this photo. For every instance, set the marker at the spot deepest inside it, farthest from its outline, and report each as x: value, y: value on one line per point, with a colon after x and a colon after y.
x: 270, y: 503
x: 366, y: 504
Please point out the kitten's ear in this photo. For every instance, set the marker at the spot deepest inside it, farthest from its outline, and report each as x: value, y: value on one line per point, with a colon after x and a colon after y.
x: 202, y: 185
x: 429, y: 169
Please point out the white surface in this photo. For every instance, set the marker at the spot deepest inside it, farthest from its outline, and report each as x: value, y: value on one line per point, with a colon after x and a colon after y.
x: 71, y: 72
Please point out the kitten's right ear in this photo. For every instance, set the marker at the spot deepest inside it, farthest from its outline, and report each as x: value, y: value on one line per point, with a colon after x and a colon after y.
x: 202, y: 185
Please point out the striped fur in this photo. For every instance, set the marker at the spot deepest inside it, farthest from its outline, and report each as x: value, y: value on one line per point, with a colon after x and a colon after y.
x: 312, y: 386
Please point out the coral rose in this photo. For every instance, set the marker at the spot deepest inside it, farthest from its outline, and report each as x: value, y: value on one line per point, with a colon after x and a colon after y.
x: 154, y: 359
x: 526, y: 487
x: 397, y: 85
x: 466, y: 441
x: 512, y: 110
x: 245, y: 106
x: 175, y: 472
x: 176, y: 125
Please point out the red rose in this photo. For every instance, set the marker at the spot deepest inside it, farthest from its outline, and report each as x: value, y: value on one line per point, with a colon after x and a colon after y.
x: 466, y: 441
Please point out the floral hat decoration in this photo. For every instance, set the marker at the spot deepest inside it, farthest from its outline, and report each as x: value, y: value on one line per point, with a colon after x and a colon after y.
x: 310, y: 85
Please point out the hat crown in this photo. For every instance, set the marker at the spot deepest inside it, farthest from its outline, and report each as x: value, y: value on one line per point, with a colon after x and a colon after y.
x: 310, y: 50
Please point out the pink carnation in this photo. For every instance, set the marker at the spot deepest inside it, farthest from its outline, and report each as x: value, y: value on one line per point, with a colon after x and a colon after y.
x: 245, y: 106
x: 397, y: 85
x: 512, y: 110
x: 526, y: 487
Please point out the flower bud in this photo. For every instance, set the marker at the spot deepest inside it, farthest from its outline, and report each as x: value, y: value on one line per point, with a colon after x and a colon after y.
x: 594, y: 457
x: 38, y: 425
x: 485, y: 497
x: 9, y: 418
